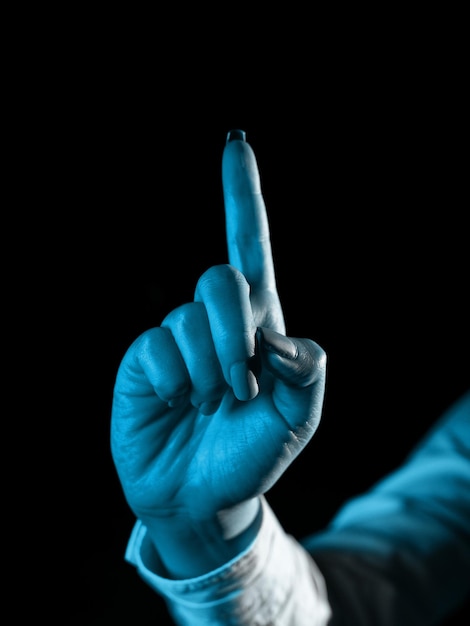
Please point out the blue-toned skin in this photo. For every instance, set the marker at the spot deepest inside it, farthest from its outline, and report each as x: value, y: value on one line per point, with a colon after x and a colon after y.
x: 211, y: 407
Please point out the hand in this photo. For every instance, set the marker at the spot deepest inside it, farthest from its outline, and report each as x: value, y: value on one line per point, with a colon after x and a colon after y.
x: 211, y: 407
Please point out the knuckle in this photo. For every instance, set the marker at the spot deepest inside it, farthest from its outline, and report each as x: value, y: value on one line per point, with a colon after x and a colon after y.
x: 182, y: 318
x: 311, y: 362
x: 147, y: 340
x: 217, y: 276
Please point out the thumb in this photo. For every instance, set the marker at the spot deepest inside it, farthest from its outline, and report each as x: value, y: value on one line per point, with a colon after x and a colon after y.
x: 299, y: 370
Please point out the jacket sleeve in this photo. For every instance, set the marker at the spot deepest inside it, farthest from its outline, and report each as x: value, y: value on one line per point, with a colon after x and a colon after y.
x: 400, y: 553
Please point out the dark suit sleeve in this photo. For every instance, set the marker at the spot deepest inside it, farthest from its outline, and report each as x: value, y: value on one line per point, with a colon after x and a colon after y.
x: 400, y: 553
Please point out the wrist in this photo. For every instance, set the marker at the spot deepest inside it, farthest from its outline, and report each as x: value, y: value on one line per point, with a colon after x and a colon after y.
x: 191, y: 547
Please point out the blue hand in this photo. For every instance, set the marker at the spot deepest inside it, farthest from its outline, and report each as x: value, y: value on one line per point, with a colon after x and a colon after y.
x: 211, y: 407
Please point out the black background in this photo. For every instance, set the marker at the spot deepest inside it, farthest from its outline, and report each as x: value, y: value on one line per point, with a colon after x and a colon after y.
x: 367, y: 195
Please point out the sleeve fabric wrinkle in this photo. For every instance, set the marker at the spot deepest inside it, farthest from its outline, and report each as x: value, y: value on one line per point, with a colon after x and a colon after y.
x: 273, y: 583
x: 405, y: 544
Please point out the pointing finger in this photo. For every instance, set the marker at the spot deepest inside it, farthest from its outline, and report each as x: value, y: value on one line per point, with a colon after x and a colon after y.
x: 248, y: 238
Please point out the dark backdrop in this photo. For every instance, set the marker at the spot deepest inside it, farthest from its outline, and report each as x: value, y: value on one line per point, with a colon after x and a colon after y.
x: 367, y: 198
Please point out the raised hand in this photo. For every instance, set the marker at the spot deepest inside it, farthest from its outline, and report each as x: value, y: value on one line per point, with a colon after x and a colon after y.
x: 211, y: 407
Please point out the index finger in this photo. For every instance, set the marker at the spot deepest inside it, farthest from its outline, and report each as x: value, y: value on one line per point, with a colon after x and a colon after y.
x: 247, y: 229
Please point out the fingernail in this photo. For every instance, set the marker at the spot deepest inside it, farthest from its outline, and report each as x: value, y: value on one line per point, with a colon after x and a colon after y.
x: 244, y: 383
x: 236, y: 135
x: 277, y: 343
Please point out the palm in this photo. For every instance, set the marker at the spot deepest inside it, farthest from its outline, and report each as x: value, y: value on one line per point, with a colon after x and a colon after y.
x: 186, y: 459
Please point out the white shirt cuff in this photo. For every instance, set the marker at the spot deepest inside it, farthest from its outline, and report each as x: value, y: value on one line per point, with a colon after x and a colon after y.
x: 274, y: 582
